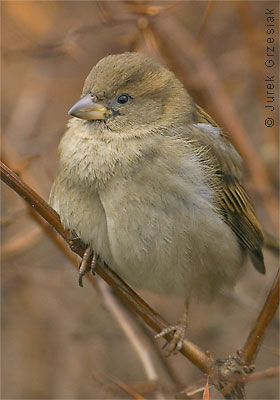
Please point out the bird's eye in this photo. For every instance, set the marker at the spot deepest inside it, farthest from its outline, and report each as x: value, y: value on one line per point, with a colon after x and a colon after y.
x: 123, y: 98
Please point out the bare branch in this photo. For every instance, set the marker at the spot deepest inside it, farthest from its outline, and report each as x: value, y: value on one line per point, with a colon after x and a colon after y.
x: 128, y: 326
x: 249, y: 352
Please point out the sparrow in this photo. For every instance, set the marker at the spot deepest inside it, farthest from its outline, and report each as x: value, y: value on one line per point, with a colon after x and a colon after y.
x: 152, y: 185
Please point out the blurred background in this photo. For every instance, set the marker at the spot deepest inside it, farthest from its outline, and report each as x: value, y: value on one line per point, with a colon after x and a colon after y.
x: 63, y: 342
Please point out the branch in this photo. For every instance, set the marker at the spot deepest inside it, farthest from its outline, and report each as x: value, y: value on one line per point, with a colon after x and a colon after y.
x: 249, y: 351
x: 153, y: 319
x: 127, y: 324
x: 241, y: 365
x: 33, y: 199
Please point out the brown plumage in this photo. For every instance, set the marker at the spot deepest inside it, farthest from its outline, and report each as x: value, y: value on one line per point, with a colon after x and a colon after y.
x: 235, y: 204
x: 150, y: 183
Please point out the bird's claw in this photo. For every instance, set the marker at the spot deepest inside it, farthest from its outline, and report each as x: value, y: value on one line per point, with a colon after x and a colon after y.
x: 88, y: 263
x: 177, y: 341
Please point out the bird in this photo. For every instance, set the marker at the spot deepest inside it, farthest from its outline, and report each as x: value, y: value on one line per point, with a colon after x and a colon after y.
x: 153, y: 186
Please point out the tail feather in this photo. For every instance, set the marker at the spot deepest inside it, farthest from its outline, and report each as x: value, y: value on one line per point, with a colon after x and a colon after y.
x: 257, y: 260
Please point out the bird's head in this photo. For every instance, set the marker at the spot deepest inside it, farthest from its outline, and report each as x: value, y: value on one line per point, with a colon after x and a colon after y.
x: 132, y: 92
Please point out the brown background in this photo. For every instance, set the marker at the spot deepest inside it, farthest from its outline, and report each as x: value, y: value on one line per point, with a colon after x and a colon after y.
x: 60, y: 341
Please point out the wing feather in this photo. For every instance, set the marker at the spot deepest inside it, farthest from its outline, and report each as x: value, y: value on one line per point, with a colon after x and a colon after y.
x: 232, y: 200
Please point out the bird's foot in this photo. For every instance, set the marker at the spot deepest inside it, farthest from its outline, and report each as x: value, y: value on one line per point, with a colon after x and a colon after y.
x: 177, y: 341
x: 87, y: 264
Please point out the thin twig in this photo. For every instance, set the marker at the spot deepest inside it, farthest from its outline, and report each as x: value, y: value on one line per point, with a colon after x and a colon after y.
x: 21, y: 242
x: 205, y: 18
x: 265, y: 374
x: 139, y: 342
x: 32, y: 198
x: 250, y: 350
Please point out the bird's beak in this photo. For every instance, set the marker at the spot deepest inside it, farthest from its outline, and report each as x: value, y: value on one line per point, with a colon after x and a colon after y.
x: 85, y: 108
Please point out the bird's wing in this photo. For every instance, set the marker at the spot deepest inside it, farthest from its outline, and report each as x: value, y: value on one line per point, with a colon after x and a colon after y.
x: 232, y: 200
